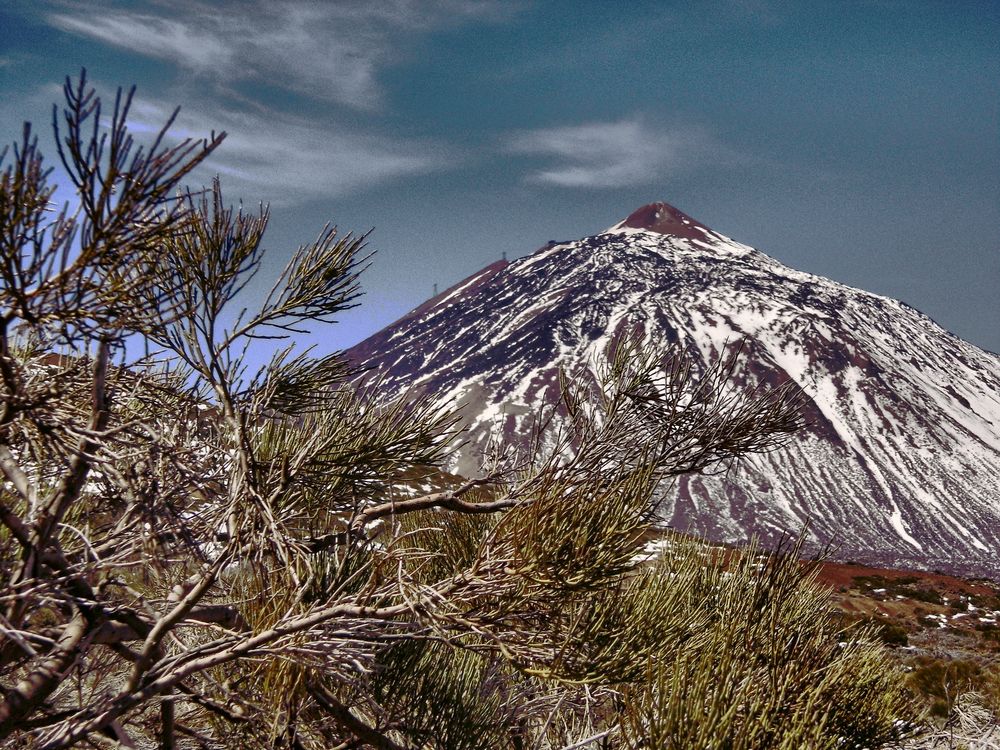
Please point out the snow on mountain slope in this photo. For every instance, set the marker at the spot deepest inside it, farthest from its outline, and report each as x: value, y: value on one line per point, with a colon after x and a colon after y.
x: 900, y: 463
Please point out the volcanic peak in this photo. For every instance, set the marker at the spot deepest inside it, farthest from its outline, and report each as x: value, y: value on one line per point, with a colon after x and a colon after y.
x: 663, y: 218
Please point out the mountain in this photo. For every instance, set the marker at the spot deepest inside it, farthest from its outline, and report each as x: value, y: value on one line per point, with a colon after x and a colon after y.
x: 899, y: 465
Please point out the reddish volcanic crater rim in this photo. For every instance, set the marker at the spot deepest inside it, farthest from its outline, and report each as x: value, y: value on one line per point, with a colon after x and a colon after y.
x: 665, y: 219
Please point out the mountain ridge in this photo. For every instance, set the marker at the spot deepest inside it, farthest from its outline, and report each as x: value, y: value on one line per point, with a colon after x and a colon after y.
x: 898, y: 464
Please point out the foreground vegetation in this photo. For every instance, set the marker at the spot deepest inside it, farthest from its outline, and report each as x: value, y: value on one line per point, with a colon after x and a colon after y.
x: 942, y: 630
x: 199, y: 555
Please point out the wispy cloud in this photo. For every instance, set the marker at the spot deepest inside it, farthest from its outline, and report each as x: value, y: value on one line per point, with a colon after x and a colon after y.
x: 330, y: 51
x: 610, y: 154
x: 185, y: 42
x: 274, y: 157
x: 282, y: 159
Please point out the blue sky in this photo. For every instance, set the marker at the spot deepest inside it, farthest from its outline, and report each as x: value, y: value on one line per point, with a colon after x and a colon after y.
x: 856, y: 140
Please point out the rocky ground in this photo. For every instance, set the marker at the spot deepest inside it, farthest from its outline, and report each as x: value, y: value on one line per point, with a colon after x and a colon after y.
x: 945, y: 630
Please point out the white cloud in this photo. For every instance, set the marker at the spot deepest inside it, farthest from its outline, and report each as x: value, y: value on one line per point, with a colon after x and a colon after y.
x: 266, y: 155
x: 280, y: 159
x: 610, y: 154
x: 190, y: 45
x: 330, y: 51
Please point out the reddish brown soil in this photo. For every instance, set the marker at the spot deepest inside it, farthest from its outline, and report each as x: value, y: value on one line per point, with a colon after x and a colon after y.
x: 839, y: 575
x: 665, y: 219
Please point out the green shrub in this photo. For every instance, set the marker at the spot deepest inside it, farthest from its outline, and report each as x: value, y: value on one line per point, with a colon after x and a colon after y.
x: 770, y: 668
x: 889, y: 633
x: 925, y: 595
x: 940, y: 681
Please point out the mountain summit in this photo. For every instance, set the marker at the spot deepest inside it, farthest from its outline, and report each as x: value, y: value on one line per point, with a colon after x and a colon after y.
x: 899, y: 462
x: 663, y: 218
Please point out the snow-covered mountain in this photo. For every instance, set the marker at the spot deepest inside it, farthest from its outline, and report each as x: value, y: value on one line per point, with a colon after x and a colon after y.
x: 900, y: 463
